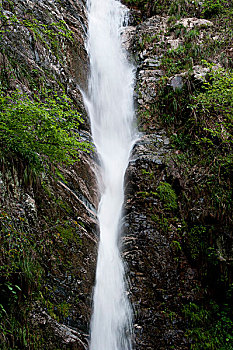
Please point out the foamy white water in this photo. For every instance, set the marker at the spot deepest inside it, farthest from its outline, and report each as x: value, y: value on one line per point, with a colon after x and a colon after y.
x: 110, y: 107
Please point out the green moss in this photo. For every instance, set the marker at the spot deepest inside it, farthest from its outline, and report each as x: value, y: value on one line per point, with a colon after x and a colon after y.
x: 167, y: 196
x: 68, y: 233
x: 162, y: 222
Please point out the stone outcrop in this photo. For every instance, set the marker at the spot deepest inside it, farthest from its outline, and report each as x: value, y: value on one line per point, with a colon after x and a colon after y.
x: 162, y: 279
x: 60, y: 218
x: 147, y: 44
x: 42, y: 48
x: 64, y: 335
x: 44, y: 45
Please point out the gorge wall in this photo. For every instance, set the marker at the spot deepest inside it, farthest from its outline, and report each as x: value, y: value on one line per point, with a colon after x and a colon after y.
x: 177, y: 238
x: 48, y: 232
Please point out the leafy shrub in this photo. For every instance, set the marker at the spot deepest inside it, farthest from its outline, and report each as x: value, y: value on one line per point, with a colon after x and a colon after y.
x: 212, y: 8
x: 214, y: 107
x: 39, y: 132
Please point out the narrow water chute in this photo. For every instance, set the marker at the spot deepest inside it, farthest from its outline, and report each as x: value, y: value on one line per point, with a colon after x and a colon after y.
x: 110, y: 107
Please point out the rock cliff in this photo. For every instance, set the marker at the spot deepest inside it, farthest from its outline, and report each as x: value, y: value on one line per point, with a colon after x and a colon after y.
x: 48, y: 225
x: 173, y: 227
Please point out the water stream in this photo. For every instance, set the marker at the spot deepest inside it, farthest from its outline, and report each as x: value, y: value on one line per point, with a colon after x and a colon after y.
x: 110, y: 107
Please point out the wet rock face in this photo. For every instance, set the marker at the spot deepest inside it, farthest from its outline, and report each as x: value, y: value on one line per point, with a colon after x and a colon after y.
x: 161, y: 280
x: 44, y: 45
x: 58, y: 221
x: 66, y: 337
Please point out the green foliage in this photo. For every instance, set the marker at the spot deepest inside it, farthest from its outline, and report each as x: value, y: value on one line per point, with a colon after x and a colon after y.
x: 214, y: 107
x: 17, y: 246
x: 196, y: 239
x: 201, y: 124
x: 140, y: 4
x: 58, y: 312
x: 212, y: 8
x: 23, y: 271
x: 167, y: 196
x: 39, y: 132
x: 198, y: 43
x: 150, y: 173
x: 180, y: 8
x: 180, y: 140
x: 162, y: 222
x: 164, y: 192
x: 209, y: 328
x: 187, y: 54
x: 199, y: 119
x: 212, y: 115
x: 20, y: 277
x: 50, y: 34
x: 20, y: 335
x: 68, y: 233
x: 176, y: 246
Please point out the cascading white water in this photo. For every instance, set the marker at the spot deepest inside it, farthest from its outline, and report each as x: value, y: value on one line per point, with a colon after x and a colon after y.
x: 110, y: 107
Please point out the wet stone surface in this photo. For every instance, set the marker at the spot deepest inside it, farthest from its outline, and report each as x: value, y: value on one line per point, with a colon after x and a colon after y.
x: 161, y: 280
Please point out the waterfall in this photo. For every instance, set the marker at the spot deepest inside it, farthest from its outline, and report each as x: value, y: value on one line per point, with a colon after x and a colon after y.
x: 110, y: 107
